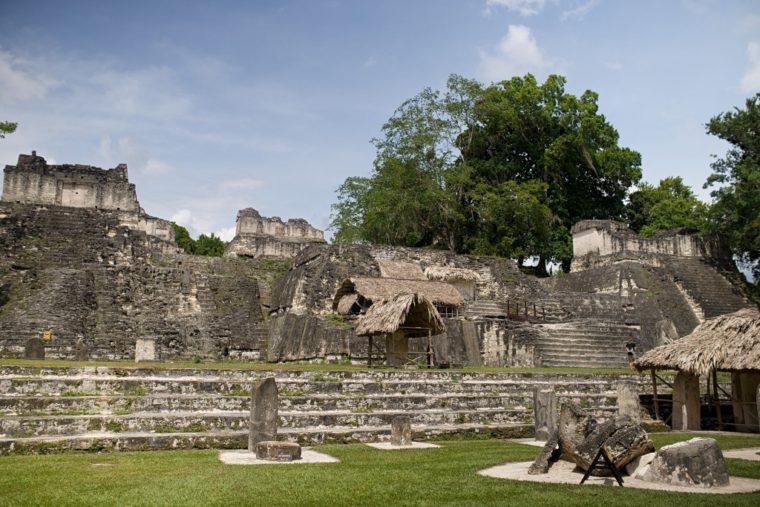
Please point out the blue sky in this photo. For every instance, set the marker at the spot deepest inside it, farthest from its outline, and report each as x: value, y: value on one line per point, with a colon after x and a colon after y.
x: 216, y: 106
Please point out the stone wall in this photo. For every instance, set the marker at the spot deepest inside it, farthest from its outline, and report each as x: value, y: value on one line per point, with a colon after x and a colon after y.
x: 596, y: 242
x: 257, y: 236
x: 33, y: 181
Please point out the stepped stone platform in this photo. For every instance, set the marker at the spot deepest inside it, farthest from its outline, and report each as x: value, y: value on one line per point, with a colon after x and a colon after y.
x: 589, y: 343
x: 44, y: 410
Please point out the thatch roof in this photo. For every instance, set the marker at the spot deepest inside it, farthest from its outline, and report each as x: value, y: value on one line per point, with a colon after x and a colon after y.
x: 727, y: 342
x: 378, y: 289
x: 346, y: 303
x: 415, y: 312
x: 400, y: 270
x: 448, y: 274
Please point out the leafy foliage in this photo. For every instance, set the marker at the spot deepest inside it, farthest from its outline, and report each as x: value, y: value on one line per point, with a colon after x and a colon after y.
x: 211, y: 246
x: 499, y: 170
x: 736, y: 206
x: 7, y: 127
x: 669, y: 205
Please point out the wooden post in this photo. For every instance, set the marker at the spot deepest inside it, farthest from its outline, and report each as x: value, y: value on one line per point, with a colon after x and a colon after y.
x: 654, y: 391
x: 715, y: 397
x: 534, y: 310
x: 430, y: 349
x: 526, y: 310
x: 369, y: 354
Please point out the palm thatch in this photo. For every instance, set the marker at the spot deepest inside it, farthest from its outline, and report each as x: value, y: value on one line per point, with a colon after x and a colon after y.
x: 414, y: 312
x: 400, y: 270
x: 346, y: 303
x: 449, y: 274
x: 377, y: 289
x: 728, y: 342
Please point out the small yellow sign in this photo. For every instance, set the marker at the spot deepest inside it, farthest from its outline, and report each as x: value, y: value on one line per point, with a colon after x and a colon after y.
x: 47, y: 334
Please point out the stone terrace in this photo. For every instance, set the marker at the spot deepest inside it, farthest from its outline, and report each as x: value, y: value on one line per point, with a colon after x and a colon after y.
x: 112, y: 408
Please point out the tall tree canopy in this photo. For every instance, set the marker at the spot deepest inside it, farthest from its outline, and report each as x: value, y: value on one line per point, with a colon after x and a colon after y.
x: 669, y: 205
x: 7, y: 127
x: 736, y: 205
x: 505, y: 170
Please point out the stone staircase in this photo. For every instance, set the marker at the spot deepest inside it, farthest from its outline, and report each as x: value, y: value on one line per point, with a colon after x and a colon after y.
x: 703, y: 283
x: 591, y: 343
x: 115, y: 408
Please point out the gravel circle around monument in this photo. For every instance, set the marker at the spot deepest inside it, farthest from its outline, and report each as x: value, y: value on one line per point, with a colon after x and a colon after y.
x: 244, y: 457
x: 387, y: 446
x: 563, y: 472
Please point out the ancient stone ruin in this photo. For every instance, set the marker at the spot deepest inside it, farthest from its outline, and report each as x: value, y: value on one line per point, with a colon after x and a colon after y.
x: 262, y: 436
x: 81, y: 258
x: 257, y: 236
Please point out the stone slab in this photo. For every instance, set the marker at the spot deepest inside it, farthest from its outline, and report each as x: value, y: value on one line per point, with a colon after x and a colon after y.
x: 145, y: 350
x: 387, y: 446
x: 563, y: 472
x: 276, y: 450
x: 263, y: 421
x: 750, y: 454
x: 248, y: 458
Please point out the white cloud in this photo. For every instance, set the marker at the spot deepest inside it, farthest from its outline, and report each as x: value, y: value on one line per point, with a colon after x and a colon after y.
x: 195, y: 225
x: 614, y: 65
x: 751, y: 80
x: 20, y: 81
x: 226, y: 234
x: 155, y: 166
x: 516, y: 54
x: 579, y: 11
x: 522, y: 7
x: 242, y: 184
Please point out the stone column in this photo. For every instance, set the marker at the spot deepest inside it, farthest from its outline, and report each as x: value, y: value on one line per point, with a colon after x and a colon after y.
x: 545, y: 413
x: 686, y: 410
x: 628, y: 401
x: 264, y: 402
x: 401, y: 431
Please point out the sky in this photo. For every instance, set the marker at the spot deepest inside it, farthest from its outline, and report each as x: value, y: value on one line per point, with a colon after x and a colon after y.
x: 218, y: 106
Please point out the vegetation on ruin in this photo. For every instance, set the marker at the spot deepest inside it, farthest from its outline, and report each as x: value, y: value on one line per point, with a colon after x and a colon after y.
x: 669, y: 205
x: 504, y: 169
x: 210, y: 246
x: 364, y: 476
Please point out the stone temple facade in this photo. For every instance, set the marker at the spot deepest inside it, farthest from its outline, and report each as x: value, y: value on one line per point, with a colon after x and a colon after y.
x: 86, y: 273
x: 257, y: 236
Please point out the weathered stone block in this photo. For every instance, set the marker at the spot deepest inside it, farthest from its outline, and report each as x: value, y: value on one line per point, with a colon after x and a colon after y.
x: 34, y: 349
x: 81, y: 351
x: 272, y: 450
x: 264, y: 402
x: 401, y: 431
x: 574, y: 427
x: 145, y: 350
x: 696, y: 462
x: 628, y: 401
x: 625, y: 439
x: 545, y: 413
x: 549, y: 454
x: 686, y: 407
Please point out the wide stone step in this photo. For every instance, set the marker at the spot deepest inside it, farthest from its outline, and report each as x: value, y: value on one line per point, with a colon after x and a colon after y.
x: 583, y: 362
x: 197, y: 422
x: 135, y: 441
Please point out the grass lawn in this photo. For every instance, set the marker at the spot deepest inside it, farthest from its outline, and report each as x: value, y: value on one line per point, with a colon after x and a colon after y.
x: 365, y: 476
x: 297, y: 366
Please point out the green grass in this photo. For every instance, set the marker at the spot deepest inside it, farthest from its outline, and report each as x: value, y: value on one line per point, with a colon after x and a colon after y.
x: 365, y: 476
x: 297, y: 366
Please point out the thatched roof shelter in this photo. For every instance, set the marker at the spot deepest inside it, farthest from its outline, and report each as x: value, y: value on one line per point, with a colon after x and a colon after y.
x: 400, y: 270
x: 415, y: 314
x: 449, y: 274
x: 379, y: 289
x: 728, y: 342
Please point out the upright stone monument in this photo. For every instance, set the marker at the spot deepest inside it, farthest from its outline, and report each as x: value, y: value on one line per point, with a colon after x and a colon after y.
x: 145, y: 350
x: 628, y: 401
x: 401, y: 431
x: 263, y: 413
x: 34, y: 349
x: 545, y: 412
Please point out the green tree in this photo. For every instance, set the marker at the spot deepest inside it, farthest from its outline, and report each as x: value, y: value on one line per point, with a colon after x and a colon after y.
x: 7, y: 127
x: 211, y: 246
x: 669, y: 205
x: 183, y: 239
x: 736, y: 206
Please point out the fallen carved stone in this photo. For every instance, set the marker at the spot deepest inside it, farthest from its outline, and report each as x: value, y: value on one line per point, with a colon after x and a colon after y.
x: 401, y: 431
x: 548, y: 455
x: 272, y: 450
x: 574, y: 426
x: 545, y: 413
x: 696, y: 462
x: 264, y: 403
x: 624, y: 438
